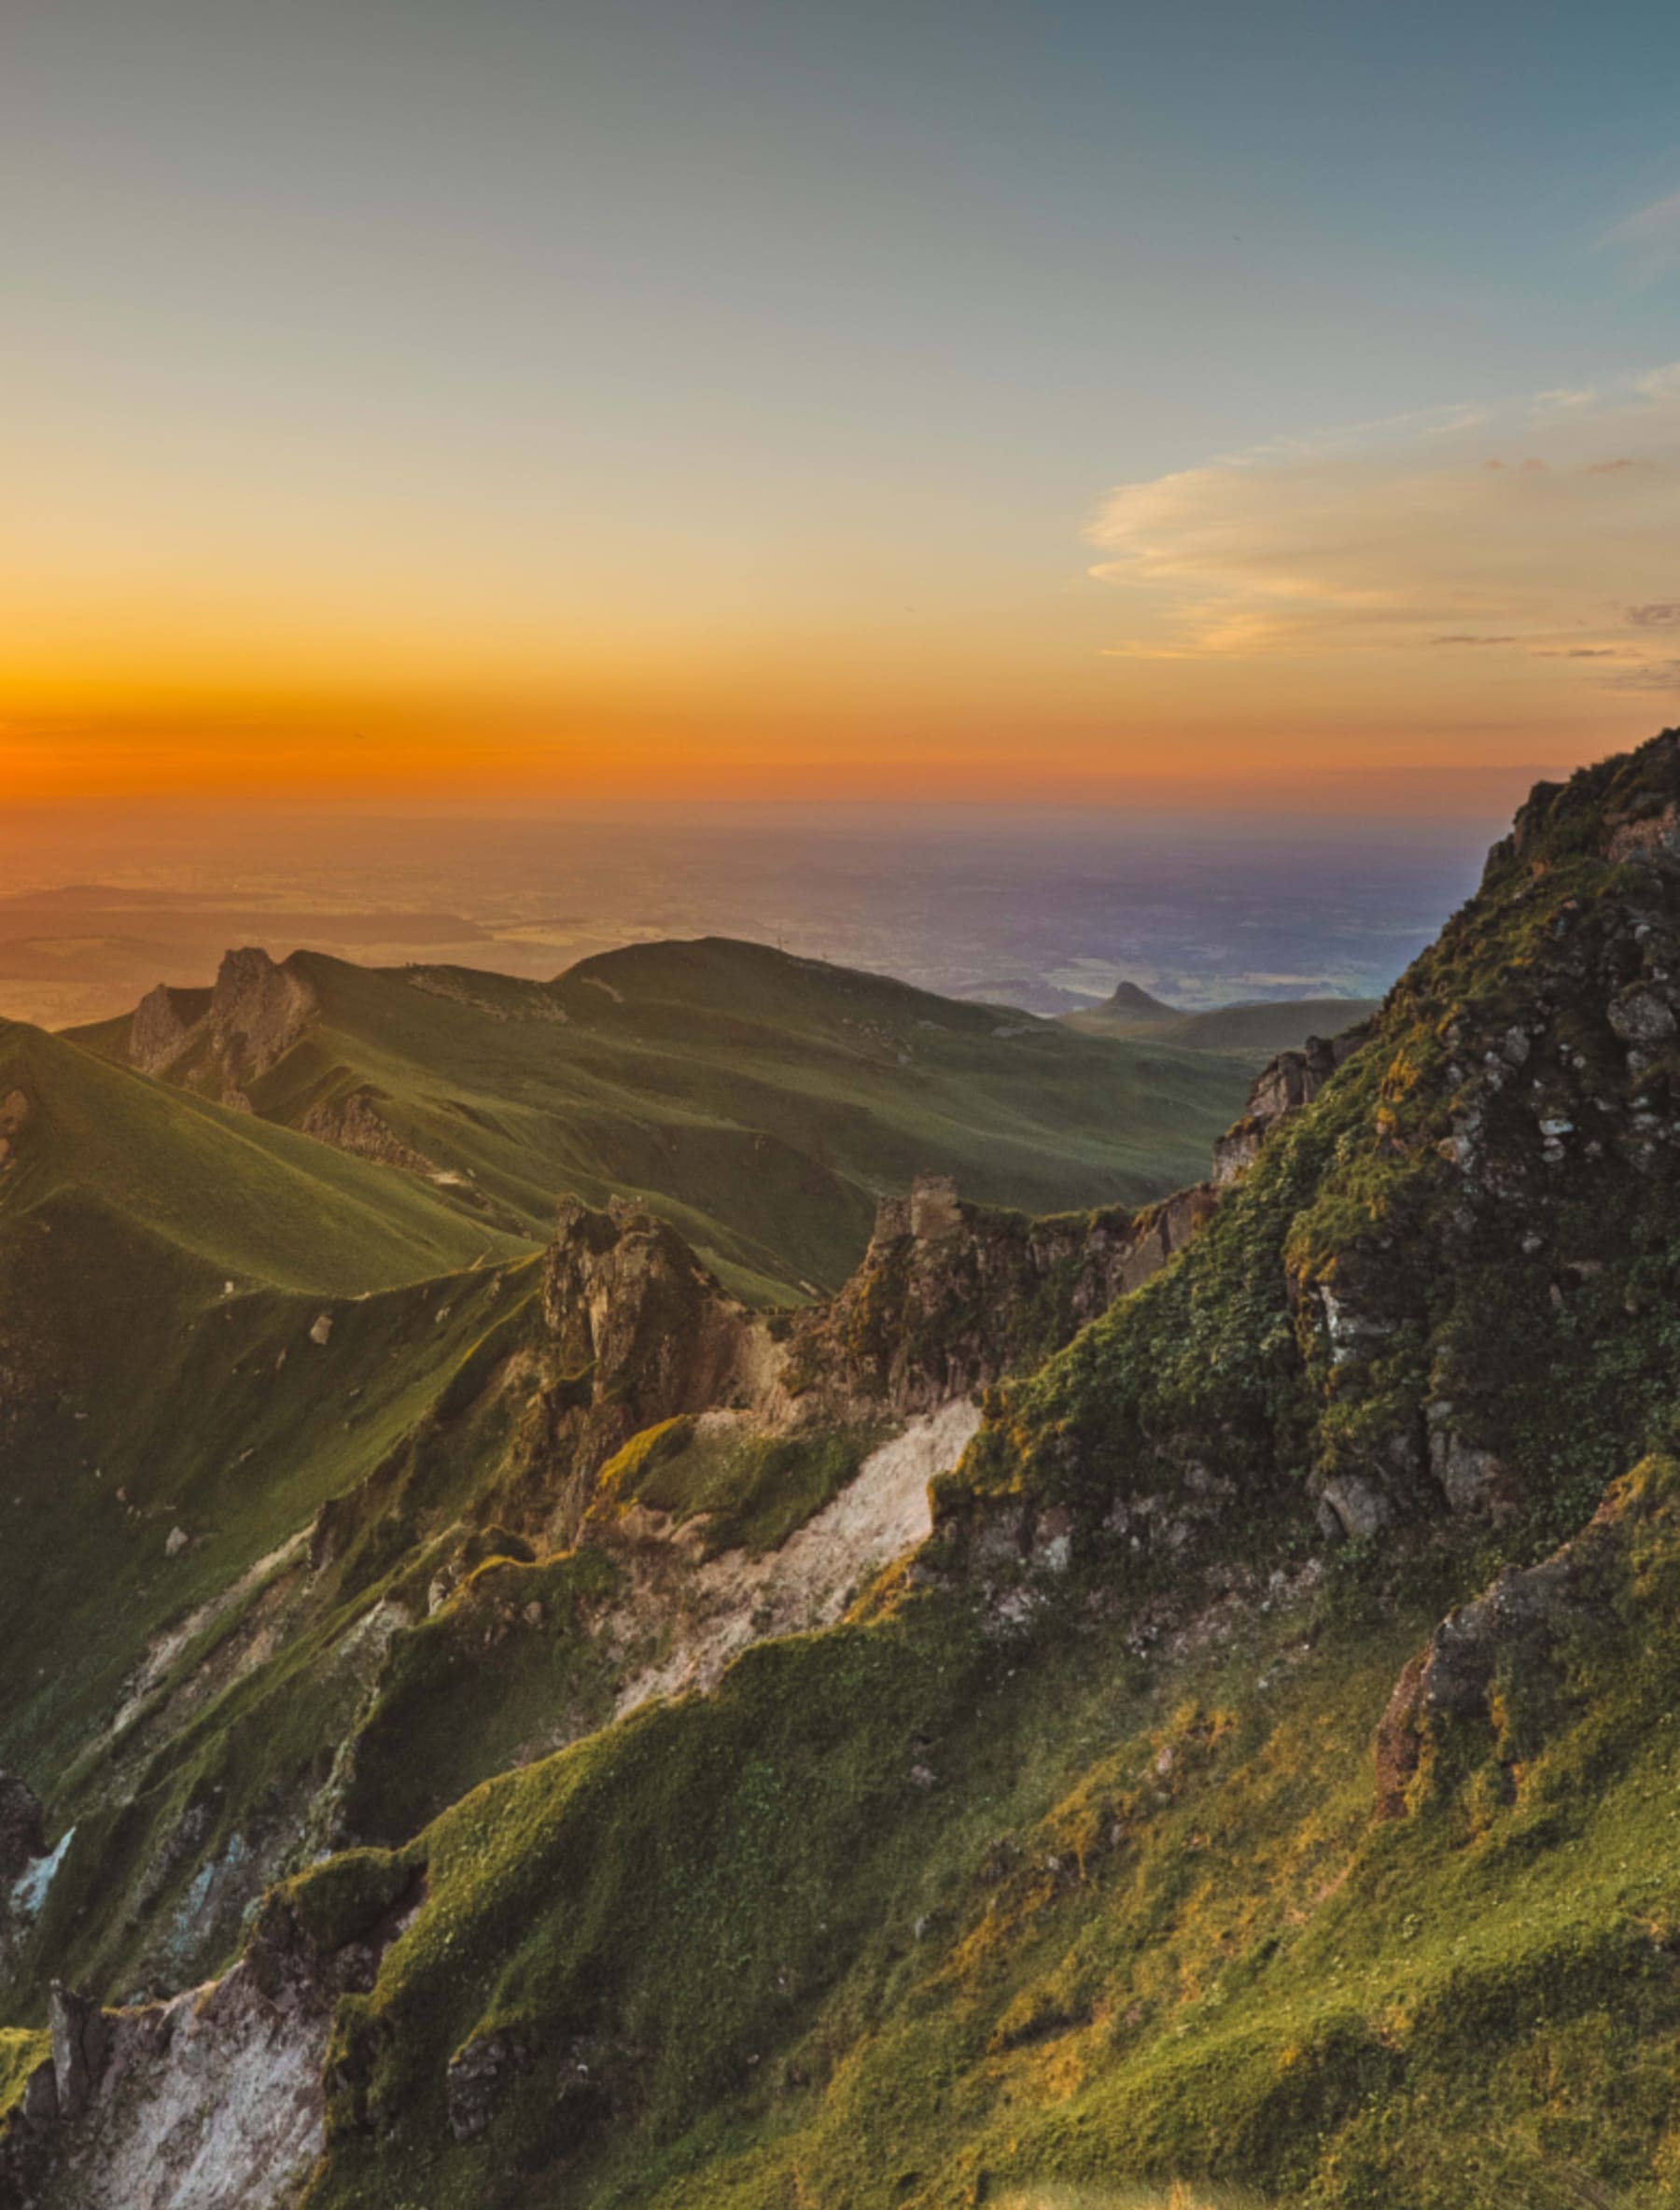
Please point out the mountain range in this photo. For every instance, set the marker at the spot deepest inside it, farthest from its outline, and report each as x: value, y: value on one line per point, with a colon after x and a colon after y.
x: 895, y: 1659
x: 1255, y: 1029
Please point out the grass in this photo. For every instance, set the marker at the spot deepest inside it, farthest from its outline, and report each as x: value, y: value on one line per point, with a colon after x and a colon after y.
x: 20, y: 2053
x: 163, y: 1267
x: 1251, y: 1033
x: 759, y: 1102
x: 1140, y: 1925
x: 753, y: 1489
x: 924, y: 1910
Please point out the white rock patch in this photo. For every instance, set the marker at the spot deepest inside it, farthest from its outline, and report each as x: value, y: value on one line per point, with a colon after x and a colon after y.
x: 722, y: 1605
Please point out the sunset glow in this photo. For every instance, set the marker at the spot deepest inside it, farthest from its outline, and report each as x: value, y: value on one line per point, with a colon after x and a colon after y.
x: 723, y: 408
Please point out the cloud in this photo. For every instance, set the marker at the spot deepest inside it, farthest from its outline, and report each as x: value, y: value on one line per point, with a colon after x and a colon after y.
x: 1648, y: 240
x: 1654, y: 674
x: 1410, y: 534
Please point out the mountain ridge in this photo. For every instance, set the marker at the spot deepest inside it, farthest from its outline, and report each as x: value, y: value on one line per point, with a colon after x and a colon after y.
x: 761, y: 1100
x: 1258, y: 1777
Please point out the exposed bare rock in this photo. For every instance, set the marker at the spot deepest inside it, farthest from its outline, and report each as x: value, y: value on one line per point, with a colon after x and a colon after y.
x: 1354, y: 1506
x: 1651, y: 834
x: 1287, y: 1083
x: 355, y: 1123
x: 1476, y: 1483
x: 477, y: 2075
x: 1642, y: 1016
x: 14, y: 1112
x: 163, y: 1024
x: 640, y: 1331
x: 951, y: 1297
x: 214, y: 2099
x: 714, y: 1608
x: 80, y: 2038
x: 1159, y: 1231
x: 1504, y: 1650
x: 258, y: 1012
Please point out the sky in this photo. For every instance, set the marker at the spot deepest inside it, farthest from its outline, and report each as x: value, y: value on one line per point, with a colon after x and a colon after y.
x: 533, y: 403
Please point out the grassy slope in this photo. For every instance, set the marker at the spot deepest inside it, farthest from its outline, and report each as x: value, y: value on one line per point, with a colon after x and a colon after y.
x: 126, y: 1212
x: 1252, y: 1032
x: 759, y: 1101
x: 1137, y: 1919
x: 1140, y: 1925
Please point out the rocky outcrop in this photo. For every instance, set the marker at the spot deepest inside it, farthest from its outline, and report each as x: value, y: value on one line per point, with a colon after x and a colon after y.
x: 354, y: 1123
x: 14, y: 1113
x: 477, y: 2075
x: 1648, y: 829
x: 214, y: 2099
x: 258, y: 1012
x: 1495, y: 1668
x: 637, y: 1331
x: 163, y: 1024
x: 243, y: 1026
x: 951, y: 1297
x: 1287, y: 1083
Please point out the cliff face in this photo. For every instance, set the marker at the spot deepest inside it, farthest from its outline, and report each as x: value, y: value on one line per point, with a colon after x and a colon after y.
x: 164, y: 1023
x: 1290, y: 1081
x: 951, y: 1297
x: 251, y: 1018
x: 1262, y: 1770
x: 216, y: 2098
x: 1412, y: 1279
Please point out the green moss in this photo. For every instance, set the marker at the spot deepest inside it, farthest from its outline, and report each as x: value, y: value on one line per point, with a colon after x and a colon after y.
x: 445, y: 1718
x: 20, y: 2053
x: 753, y: 1489
x: 345, y: 1898
x: 1115, y: 1935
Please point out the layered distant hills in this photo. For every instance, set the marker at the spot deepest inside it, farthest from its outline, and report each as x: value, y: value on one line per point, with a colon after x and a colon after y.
x: 1159, y: 1702
x: 1252, y: 1031
x: 757, y: 1100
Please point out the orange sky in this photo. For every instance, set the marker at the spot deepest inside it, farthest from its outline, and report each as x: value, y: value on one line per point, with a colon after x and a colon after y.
x: 1483, y: 591
x: 615, y: 405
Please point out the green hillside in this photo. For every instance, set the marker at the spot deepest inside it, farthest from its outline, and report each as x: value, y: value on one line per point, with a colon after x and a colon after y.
x: 225, y: 1190
x: 1257, y: 1790
x: 1252, y: 1032
x: 759, y: 1102
x: 161, y: 1264
x: 1072, y: 1868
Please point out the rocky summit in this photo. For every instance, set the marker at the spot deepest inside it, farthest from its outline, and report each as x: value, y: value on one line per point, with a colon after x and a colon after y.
x: 1172, y: 1700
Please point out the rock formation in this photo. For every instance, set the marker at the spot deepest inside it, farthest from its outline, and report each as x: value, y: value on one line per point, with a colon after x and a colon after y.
x: 251, y: 1018
x: 354, y: 1123
x: 1287, y: 1083
x: 163, y: 1024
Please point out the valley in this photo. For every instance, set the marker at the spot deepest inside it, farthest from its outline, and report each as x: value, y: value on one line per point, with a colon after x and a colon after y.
x: 996, y: 1666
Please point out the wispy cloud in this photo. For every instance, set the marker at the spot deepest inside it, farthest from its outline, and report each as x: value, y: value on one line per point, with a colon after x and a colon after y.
x: 1532, y: 533
x: 1653, y: 675
x: 1648, y: 240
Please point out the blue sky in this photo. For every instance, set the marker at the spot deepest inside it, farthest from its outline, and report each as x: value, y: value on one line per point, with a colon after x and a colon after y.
x: 601, y: 356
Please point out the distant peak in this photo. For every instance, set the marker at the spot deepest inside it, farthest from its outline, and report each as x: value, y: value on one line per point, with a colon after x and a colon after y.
x: 1129, y: 998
